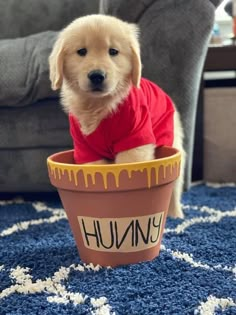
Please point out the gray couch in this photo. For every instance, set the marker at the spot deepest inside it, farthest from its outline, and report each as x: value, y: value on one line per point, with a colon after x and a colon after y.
x: 174, y: 42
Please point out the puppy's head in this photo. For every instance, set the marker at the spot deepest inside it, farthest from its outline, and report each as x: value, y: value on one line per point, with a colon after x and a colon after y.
x: 97, y: 55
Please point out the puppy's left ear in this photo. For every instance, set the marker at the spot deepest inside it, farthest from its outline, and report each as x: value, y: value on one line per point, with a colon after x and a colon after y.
x: 136, y: 59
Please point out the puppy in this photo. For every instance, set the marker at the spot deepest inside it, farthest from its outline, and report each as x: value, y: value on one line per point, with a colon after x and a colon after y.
x: 115, y: 115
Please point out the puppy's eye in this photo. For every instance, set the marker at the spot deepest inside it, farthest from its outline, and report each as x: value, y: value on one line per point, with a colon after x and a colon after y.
x: 113, y: 52
x: 82, y: 52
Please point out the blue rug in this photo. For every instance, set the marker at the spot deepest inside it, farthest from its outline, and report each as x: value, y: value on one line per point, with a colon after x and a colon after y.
x: 41, y: 273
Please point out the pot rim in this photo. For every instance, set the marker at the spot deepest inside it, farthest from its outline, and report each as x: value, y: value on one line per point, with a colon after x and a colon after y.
x: 110, y: 167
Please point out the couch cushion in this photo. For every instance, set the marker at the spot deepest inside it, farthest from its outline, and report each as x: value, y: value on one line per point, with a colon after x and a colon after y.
x: 19, y: 18
x: 24, y: 69
x: 39, y: 126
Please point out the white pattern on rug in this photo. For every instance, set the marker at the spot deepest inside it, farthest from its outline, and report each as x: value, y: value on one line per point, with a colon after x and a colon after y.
x: 213, y: 303
x: 220, y: 185
x: 57, y: 215
x: 216, y: 216
x: 188, y: 258
x: 53, y: 287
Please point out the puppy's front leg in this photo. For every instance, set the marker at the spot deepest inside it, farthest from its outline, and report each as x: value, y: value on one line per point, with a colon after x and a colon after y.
x: 139, y: 154
x: 175, y: 208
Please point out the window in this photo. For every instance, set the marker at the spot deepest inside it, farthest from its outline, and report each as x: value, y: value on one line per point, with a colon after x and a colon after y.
x: 221, y: 15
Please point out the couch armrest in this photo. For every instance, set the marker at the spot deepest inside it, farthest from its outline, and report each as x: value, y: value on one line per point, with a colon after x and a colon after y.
x: 24, y: 69
x: 174, y: 42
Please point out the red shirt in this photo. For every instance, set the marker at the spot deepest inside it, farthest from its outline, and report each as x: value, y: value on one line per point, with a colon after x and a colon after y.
x: 144, y: 117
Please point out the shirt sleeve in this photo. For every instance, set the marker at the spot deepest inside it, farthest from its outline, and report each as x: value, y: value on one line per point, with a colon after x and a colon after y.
x: 137, y: 129
x: 83, y: 153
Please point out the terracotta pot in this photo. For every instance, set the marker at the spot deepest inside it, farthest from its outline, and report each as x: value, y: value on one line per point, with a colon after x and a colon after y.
x: 117, y: 212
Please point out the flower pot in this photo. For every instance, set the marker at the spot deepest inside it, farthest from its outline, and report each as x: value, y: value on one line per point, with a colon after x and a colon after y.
x: 117, y: 212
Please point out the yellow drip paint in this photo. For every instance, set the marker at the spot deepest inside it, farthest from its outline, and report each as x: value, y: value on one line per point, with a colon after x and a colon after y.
x: 129, y: 173
x: 164, y: 171
x: 75, y: 177
x: 172, y: 168
x: 93, y: 178
x: 116, y: 174
x: 86, y: 173
x: 70, y: 175
x: 114, y: 169
x: 70, y: 170
x: 149, y: 174
x: 105, y: 180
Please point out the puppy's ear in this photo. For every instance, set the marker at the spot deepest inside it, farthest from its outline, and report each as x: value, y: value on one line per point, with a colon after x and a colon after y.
x: 56, y: 64
x: 136, y: 59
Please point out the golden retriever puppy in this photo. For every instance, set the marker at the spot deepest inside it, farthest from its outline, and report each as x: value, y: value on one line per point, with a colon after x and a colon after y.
x: 115, y: 115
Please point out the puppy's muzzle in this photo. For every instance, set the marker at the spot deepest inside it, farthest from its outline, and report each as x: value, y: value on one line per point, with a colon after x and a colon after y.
x: 96, y: 78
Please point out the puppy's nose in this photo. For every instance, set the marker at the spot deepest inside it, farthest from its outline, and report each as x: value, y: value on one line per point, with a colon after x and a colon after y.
x: 96, y: 77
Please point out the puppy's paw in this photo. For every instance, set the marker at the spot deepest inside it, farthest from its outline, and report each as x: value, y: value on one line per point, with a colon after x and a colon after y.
x: 175, y: 210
